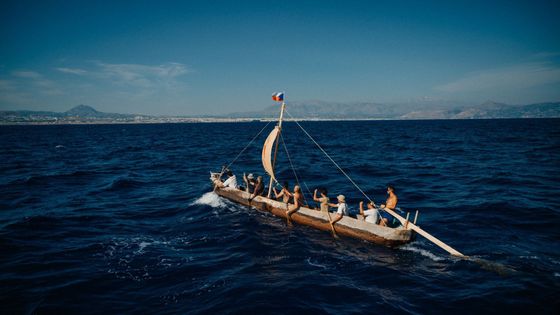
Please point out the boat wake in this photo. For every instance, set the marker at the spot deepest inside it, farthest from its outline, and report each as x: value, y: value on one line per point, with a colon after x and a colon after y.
x: 210, y: 199
x: 423, y: 252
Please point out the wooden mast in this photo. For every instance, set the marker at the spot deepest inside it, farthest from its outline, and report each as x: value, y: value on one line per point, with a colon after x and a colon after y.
x: 276, y: 147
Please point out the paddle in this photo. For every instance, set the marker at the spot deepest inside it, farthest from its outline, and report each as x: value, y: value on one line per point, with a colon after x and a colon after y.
x: 488, y: 265
x: 427, y: 235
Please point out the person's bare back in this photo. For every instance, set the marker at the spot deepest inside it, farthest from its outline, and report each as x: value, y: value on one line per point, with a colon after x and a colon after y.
x: 298, y: 202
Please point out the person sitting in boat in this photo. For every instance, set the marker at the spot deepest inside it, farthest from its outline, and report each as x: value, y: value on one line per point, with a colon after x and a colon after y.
x: 298, y: 201
x: 259, y: 188
x: 250, y: 182
x: 391, y: 204
x: 323, y: 200
x: 371, y: 214
x: 342, y: 208
x: 284, y: 193
x: 231, y: 181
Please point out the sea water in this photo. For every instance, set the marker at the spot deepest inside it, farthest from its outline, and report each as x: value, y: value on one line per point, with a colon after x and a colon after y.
x: 122, y: 219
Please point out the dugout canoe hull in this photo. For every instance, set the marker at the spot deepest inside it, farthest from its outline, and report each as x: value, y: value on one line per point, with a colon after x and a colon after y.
x: 347, y: 226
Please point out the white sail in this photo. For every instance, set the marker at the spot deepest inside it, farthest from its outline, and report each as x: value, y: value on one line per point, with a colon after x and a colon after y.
x: 267, y: 152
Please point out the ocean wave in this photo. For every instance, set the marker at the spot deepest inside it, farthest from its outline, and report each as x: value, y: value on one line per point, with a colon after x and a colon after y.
x: 123, y: 183
x: 41, y: 179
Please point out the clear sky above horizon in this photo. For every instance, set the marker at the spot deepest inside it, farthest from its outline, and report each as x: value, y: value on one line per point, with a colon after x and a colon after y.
x: 214, y: 57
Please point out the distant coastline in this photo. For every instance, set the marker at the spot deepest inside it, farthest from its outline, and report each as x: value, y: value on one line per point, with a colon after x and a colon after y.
x: 241, y: 120
x: 87, y: 115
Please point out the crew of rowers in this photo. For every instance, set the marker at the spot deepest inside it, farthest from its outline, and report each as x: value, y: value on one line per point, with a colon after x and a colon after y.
x: 255, y: 187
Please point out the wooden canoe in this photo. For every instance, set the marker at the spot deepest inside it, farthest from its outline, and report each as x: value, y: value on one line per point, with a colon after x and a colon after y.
x: 347, y: 226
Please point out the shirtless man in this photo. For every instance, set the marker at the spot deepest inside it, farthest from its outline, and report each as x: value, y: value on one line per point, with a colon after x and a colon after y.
x: 298, y: 202
x: 391, y: 204
x: 284, y: 193
x: 371, y: 214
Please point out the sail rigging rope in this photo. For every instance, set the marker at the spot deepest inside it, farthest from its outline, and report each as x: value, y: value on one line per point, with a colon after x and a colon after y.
x: 330, y: 158
x: 245, y: 148
x: 293, y: 168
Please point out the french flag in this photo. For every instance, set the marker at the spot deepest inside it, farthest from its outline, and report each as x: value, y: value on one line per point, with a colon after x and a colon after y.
x: 278, y: 97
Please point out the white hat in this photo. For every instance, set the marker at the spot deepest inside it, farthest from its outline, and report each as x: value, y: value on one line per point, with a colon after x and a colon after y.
x: 341, y: 198
x: 250, y: 176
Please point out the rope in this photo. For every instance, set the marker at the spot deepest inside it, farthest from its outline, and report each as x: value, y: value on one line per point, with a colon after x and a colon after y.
x: 292, y: 166
x: 309, y: 191
x: 245, y: 148
x: 330, y: 158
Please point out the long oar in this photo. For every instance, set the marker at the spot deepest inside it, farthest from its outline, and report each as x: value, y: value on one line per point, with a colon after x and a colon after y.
x: 332, y: 225
x: 488, y: 265
x: 427, y: 235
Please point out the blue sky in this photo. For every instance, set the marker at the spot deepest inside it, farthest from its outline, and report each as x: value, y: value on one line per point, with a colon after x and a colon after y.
x: 212, y: 57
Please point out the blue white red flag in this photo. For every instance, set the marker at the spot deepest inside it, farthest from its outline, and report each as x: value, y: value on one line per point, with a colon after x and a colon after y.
x: 279, y: 97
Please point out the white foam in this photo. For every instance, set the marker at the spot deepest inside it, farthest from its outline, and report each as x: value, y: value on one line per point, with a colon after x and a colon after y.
x: 557, y: 274
x: 315, y: 264
x: 422, y: 252
x: 210, y: 199
x: 141, y: 247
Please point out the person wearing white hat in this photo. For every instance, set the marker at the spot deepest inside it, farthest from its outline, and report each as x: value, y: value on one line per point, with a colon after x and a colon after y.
x: 342, y: 208
x: 371, y: 214
x: 249, y: 182
x: 258, y: 189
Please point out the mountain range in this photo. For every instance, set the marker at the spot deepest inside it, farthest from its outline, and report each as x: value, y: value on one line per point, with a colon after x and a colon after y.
x: 82, y: 111
x: 418, y: 110
x: 309, y: 110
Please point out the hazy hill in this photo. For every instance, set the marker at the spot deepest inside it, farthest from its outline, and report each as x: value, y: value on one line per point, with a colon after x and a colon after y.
x: 78, y: 113
x: 320, y: 109
x: 82, y: 111
x: 85, y: 111
x: 490, y: 110
x: 423, y: 110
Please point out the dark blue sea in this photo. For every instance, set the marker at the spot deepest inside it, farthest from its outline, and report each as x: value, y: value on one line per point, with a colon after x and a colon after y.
x: 119, y: 219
